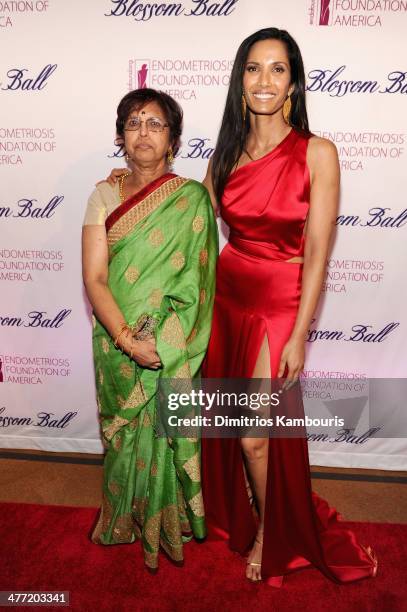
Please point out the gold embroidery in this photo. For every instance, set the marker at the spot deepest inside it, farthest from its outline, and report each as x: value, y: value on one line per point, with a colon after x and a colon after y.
x: 156, y: 237
x: 198, y: 224
x: 178, y: 260
x: 203, y: 257
x: 170, y: 523
x: 174, y: 551
x: 121, y: 401
x: 172, y: 332
x: 105, y: 345
x: 151, y: 559
x: 131, y: 274
x: 136, y: 397
x: 117, y: 442
x: 156, y: 297
x: 139, y: 508
x: 117, y: 423
x: 94, y: 321
x: 183, y: 372
x: 152, y: 530
x: 135, y: 215
x: 202, y: 296
x: 105, y: 517
x: 192, y: 335
x: 134, y: 423
x: 114, y: 487
x: 146, y: 420
x: 140, y: 464
x: 101, y: 377
x: 193, y: 468
x: 182, y: 204
x: 126, y: 370
x: 123, y: 531
x: 196, y: 504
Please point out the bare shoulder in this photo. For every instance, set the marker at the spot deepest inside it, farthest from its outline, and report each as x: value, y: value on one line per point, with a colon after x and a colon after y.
x: 321, y: 150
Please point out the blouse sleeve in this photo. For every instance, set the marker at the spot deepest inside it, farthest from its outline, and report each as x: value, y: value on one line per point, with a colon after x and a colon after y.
x: 96, y: 211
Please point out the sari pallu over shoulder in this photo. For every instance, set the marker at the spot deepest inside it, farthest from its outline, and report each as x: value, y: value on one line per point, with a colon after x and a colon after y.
x: 162, y: 250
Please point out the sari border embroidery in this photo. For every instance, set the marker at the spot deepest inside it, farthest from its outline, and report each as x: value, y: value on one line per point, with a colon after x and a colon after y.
x: 119, y: 228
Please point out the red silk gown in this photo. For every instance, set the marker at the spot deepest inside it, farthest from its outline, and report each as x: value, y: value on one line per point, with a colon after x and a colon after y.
x: 265, y: 204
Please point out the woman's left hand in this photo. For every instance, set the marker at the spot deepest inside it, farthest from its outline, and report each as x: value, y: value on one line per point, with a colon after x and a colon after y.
x: 292, y: 360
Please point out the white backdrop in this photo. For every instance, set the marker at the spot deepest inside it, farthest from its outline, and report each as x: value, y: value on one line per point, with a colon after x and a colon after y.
x: 64, y: 67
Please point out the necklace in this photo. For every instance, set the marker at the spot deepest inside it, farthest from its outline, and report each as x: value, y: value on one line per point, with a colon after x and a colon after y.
x: 248, y: 154
x: 121, y: 181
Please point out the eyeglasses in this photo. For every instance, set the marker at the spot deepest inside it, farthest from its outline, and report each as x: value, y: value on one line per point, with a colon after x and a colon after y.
x: 152, y: 124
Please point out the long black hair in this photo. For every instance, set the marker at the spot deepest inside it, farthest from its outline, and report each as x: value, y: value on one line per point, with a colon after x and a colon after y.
x: 235, y: 127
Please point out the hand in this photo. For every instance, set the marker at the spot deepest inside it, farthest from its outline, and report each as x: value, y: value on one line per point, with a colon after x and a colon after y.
x: 143, y: 352
x: 292, y: 359
x: 113, y: 176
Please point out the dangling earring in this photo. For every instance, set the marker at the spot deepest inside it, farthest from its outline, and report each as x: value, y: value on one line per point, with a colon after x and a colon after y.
x: 287, y: 110
x: 170, y: 156
x: 244, y: 107
x: 127, y: 156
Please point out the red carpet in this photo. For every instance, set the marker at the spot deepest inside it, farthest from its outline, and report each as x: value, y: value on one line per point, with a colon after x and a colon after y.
x: 46, y: 548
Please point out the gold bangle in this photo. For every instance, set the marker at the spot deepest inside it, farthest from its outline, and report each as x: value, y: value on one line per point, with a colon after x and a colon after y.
x: 123, y: 328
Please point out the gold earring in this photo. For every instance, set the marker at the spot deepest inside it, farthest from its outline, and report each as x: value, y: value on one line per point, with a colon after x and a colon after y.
x: 170, y: 156
x: 244, y: 107
x: 287, y: 110
x: 127, y: 157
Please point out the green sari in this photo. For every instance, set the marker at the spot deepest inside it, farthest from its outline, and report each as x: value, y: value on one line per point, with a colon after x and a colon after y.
x: 163, y: 247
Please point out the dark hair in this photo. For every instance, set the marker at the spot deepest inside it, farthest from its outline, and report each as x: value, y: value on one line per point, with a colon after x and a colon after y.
x: 235, y: 128
x: 138, y: 98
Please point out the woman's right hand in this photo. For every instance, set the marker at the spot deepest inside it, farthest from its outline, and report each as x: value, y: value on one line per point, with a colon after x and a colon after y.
x: 115, y: 174
x: 143, y: 352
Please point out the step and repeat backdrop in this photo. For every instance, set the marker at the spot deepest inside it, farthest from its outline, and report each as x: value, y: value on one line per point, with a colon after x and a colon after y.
x: 64, y: 66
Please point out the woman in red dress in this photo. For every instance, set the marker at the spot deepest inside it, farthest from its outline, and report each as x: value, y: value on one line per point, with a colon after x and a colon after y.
x: 277, y: 187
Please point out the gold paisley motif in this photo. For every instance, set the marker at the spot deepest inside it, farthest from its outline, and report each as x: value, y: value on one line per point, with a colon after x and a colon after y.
x: 193, y: 468
x: 113, y: 427
x: 156, y: 237
x: 203, y: 257
x: 178, y: 260
x: 154, y: 470
x: 131, y: 274
x: 105, y: 345
x: 140, y: 464
x: 172, y: 332
x: 123, y: 531
x: 196, y: 504
x: 146, y: 420
x: 202, y: 296
x: 182, y: 204
x: 198, y: 224
x: 126, y: 370
x: 114, y: 487
x: 156, y: 297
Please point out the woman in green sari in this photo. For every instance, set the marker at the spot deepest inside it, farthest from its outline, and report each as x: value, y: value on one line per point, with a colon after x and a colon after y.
x: 149, y: 254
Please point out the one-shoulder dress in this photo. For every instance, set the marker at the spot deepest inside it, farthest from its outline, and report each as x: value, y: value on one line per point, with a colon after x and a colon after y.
x: 265, y: 204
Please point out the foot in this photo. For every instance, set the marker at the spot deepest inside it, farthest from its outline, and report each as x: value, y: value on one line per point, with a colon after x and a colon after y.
x: 253, y: 566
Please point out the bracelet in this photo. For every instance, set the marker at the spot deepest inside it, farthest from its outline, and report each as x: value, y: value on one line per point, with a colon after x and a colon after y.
x: 123, y: 328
